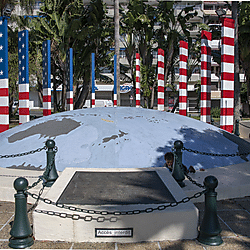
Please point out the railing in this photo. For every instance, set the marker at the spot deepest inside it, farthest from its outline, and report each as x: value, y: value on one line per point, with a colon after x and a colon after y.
x: 21, y: 232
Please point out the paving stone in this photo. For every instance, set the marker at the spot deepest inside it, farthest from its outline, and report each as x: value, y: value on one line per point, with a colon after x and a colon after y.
x: 240, y: 228
x: 4, y: 244
x: 51, y: 245
x: 5, y: 232
x: 90, y: 245
x: 234, y: 215
x: 227, y: 205
x: 230, y: 243
x: 138, y: 246
x: 7, y: 207
x: 181, y: 244
x: 4, y: 217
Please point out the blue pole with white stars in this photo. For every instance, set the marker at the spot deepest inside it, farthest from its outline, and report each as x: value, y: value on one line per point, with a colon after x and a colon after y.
x: 4, y: 82
x: 23, y: 66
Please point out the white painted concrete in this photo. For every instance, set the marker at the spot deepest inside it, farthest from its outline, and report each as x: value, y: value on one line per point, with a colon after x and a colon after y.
x: 172, y: 223
x: 117, y: 138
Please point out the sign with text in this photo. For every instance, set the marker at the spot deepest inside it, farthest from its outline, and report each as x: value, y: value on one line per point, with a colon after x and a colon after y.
x: 114, y: 232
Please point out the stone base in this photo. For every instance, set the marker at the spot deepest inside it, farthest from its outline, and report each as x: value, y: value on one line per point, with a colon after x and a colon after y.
x: 172, y: 223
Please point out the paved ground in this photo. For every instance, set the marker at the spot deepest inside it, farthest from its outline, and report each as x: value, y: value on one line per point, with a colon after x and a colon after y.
x: 234, y: 216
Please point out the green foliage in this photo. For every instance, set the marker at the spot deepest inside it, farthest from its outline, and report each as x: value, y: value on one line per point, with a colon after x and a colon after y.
x: 215, y: 112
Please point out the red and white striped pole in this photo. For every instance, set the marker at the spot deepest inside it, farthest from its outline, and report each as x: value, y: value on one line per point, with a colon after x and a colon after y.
x: 227, y: 74
x: 4, y: 80
x: 161, y: 79
x: 206, y: 38
x: 183, y: 78
x: 137, y: 74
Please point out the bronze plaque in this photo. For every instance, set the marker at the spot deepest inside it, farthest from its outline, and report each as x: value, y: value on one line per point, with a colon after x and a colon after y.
x: 115, y: 188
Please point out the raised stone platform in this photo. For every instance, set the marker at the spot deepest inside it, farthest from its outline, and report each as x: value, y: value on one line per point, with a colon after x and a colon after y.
x: 115, y: 190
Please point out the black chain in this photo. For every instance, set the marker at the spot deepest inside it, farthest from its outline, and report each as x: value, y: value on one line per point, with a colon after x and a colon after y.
x: 115, y: 213
x: 22, y: 154
x: 87, y: 218
x: 194, y: 182
x: 36, y: 203
x: 212, y: 154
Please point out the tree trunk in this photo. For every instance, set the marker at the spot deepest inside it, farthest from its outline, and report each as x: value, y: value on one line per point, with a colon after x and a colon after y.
x: 82, y: 96
x: 237, y: 84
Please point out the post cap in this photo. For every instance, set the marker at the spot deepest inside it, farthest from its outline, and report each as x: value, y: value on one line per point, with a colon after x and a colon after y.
x: 50, y: 144
x: 20, y: 183
x: 178, y: 144
x: 211, y: 182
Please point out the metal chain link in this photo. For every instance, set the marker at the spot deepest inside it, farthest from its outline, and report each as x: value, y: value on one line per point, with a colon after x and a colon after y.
x: 194, y: 182
x: 87, y: 218
x: 22, y: 154
x: 115, y: 213
x: 36, y: 203
x: 212, y: 154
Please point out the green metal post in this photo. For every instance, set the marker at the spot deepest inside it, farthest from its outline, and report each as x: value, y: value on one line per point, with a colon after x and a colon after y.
x: 237, y: 129
x: 178, y: 172
x: 21, y: 232
x: 210, y: 227
x: 50, y: 173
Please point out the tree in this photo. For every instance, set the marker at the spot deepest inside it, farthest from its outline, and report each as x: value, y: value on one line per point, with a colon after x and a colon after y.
x: 6, y: 6
x: 244, y: 42
x: 92, y: 32
x: 138, y: 25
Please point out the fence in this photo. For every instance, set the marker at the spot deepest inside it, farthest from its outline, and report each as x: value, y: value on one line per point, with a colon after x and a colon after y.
x: 21, y: 232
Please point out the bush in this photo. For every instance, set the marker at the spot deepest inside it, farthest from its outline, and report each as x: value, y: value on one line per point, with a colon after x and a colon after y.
x: 215, y: 112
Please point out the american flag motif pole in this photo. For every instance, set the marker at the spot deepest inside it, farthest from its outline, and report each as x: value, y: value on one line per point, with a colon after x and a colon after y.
x: 137, y: 74
x: 115, y: 81
x: 160, y: 79
x: 227, y: 75
x: 93, y: 79
x: 183, y: 78
x: 69, y: 92
x: 4, y: 81
x: 23, y: 63
x: 206, y: 38
x: 46, y: 78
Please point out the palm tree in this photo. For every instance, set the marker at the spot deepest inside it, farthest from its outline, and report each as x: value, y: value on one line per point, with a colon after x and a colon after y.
x: 6, y: 6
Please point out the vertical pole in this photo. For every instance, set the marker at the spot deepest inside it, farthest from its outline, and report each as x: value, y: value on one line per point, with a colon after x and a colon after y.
x: 115, y: 81
x: 137, y: 80
x: 47, y: 79
x: 227, y: 74
x: 117, y: 48
x: 50, y: 173
x: 183, y: 78
x: 178, y: 172
x: 69, y: 89
x: 93, y: 79
x: 23, y: 63
x: 210, y: 226
x: 21, y: 232
x: 206, y: 38
x: 4, y: 81
x: 161, y: 79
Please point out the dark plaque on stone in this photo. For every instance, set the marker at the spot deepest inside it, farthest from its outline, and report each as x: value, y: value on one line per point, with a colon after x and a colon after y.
x: 115, y: 188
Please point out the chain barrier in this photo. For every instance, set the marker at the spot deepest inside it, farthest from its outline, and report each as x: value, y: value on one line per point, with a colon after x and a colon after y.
x: 212, y: 154
x: 244, y: 125
x: 193, y: 181
x: 105, y: 213
x: 23, y: 154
